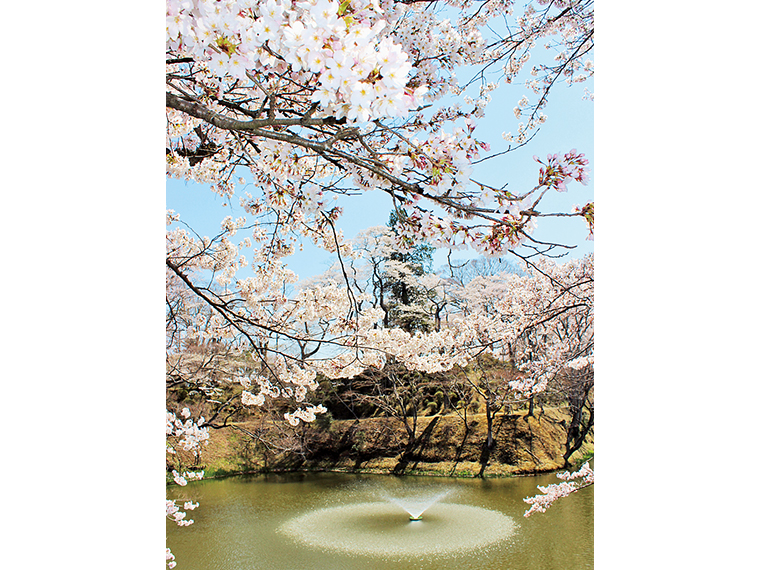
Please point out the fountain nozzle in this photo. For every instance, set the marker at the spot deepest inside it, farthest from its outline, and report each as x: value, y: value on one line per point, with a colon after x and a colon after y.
x: 413, y: 518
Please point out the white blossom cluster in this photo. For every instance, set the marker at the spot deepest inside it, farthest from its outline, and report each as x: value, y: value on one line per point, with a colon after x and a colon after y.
x: 179, y: 517
x: 581, y: 362
x: 170, y: 559
x: 188, y: 434
x: 551, y: 493
x: 359, y: 76
x: 293, y: 382
x: 308, y: 414
x: 437, y: 46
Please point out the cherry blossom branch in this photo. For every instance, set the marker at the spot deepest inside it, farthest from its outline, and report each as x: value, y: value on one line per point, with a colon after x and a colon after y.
x: 195, y: 109
x: 551, y: 493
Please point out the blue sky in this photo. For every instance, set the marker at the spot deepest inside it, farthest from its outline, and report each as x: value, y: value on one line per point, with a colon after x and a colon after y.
x: 570, y: 125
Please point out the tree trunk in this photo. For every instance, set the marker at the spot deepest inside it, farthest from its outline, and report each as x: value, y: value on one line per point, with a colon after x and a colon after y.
x: 577, y: 432
x: 485, y: 455
x: 489, y: 426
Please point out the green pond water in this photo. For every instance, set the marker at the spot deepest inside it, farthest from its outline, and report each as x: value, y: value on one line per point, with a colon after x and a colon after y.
x: 348, y: 522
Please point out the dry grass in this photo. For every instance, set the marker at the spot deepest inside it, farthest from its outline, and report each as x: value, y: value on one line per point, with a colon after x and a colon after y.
x: 374, y: 445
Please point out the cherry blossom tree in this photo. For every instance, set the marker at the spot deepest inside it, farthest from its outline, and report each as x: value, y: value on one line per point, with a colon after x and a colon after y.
x: 316, y: 97
x: 300, y: 101
x: 561, y: 343
x: 538, y: 327
x: 492, y: 336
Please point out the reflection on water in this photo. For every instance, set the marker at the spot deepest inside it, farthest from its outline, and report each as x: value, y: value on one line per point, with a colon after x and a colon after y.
x: 338, y: 521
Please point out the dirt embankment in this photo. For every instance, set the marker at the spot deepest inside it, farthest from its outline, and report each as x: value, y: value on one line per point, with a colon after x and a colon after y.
x: 444, y: 446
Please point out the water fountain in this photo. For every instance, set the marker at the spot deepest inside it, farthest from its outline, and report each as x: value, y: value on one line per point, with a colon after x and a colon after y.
x: 379, y: 528
x: 416, y: 505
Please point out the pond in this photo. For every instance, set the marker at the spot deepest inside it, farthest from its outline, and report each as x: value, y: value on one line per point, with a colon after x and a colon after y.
x: 329, y: 521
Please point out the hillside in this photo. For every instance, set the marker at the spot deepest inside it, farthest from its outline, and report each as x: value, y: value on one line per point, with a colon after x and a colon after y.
x: 523, y: 445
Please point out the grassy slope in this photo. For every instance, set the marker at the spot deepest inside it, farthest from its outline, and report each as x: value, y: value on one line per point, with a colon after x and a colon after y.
x: 374, y: 445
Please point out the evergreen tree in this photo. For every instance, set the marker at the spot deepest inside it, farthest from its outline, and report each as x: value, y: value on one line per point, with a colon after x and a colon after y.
x: 408, y: 303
